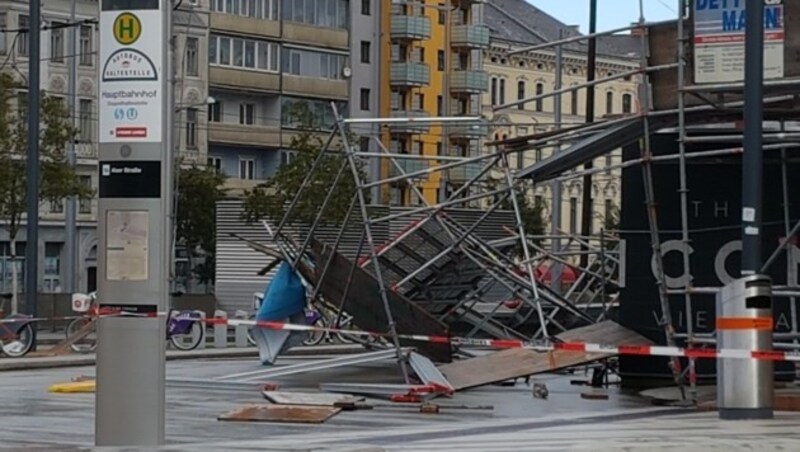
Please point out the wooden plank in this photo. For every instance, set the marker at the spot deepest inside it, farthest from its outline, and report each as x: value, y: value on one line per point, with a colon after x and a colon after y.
x: 365, y: 305
x: 309, y: 398
x: 516, y: 363
x: 281, y: 413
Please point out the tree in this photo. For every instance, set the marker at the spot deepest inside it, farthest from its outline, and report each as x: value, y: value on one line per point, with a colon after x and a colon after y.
x: 58, y: 179
x: 199, y: 190
x: 272, y: 198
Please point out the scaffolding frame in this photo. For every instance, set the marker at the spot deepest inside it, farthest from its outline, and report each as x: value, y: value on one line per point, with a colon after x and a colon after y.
x: 781, y: 140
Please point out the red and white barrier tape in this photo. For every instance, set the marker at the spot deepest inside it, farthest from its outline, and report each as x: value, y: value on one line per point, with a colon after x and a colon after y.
x: 540, y: 346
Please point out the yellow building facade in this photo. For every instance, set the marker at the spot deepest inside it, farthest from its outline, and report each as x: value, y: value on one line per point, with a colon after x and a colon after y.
x: 431, y: 66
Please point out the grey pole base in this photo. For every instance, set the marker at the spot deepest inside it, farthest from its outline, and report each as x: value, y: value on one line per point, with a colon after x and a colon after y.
x: 740, y: 414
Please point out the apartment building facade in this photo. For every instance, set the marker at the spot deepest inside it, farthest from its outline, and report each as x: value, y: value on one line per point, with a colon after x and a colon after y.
x: 267, y: 57
x: 191, y: 91
x: 432, y: 66
x: 515, y: 24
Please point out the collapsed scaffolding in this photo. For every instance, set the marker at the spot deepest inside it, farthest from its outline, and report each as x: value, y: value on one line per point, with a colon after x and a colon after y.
x: 665, y: 89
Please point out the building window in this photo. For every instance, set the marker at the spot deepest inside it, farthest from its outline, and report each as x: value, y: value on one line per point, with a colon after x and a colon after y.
x: 52, y: 252
x: 609, y: 103
x: 86, y: 133
x: 247, y: 114
x: 439, y: 106
x: 366, y: 7
x: 441, y: 11
x: 365, y: 51
x: 521, y: 93
x: 538, y: 155
x: 257, y: 9
x: 321, y: 115
x: 539, y: 92
x: 22, y: 42
x: 56, y: 42
x: 573, y: 215
x: 86, y: 46
x: 364, y: 99
x: 57, y: 206
x: 322, y: 13
x: 85, y: 205
x: 247, y: 169
x: 215, y: 112
x: 502, y: 91
x: 440, y: 60
x: 215, y: 162
x: 191, y: 128
x: 309, y: 63
x: 573, y: 102
x: 627, y: 103
x: 2, y: 35
x: 243, y: 53
x: 494, y: 90
x: 609, y: 210
x: 192, y: 66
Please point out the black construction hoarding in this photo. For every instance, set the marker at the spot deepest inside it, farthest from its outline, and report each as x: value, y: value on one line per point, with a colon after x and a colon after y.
x: 714, y: 217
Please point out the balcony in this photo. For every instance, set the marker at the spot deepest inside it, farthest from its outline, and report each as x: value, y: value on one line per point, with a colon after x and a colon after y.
x: 316, y: 36
x: 408, y: 166
x: 410, y: 127
x: 410, y: 74
x: 468, y: 131
x: 469, y: 82
x: 316, y: 87
x: 464, y: 173
x: 246, y: 135
x: 413, y: 28
x: 245, y: 25
x: 228, y: 77
x: 470, y: 37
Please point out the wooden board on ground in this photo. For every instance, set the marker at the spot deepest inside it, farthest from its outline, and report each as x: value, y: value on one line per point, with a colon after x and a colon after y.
x: 516, y: 363
x: 309, y: 398
x: 281, y: 413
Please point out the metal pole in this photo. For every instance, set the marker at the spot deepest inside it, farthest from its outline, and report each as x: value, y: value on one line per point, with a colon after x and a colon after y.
x: 70, y: 227
x: 591, y: 67
x: 652, y: 213
x: 752, y: 162
x: 684, y: 192
x: 360, y: 187
x: 555, y: 272
x: 32, y: 168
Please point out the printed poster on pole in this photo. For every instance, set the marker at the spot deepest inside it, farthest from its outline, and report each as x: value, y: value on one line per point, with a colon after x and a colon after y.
x: 719, y: 40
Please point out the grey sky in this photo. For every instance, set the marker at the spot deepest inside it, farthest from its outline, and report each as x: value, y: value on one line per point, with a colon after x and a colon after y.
x: 610, y: 13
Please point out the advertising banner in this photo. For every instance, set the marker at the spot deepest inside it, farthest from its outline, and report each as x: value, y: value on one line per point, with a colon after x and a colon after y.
x: 715, y: 221
x: 719, y: 35
x: 131, y: 50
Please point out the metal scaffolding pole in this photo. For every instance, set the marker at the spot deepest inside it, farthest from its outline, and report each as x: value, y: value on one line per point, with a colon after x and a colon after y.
x: 555, y: 278
x: 684, y: 193
x: 652, y: 214
x: 587, y: 202
x: 360, y: 187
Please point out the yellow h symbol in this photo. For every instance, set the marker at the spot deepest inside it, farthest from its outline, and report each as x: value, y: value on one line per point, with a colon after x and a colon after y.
x: 127, y: 28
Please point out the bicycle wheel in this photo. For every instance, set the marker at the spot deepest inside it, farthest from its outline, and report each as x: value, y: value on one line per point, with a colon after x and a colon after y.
x: 88, y: 342
x: 316, y: 337
x: 19, y: 344
x: 190, y: 340
x: 250, y: 339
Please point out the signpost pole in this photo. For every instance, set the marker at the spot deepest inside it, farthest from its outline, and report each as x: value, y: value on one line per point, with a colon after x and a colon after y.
x: 133, y: 227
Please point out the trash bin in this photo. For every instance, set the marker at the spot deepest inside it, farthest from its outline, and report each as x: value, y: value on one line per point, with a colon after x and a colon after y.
x: 744, y: 322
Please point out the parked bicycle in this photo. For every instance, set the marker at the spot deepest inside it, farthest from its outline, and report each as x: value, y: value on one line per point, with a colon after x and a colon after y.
x: 185, y: 330
x: 16, y: 335
x: 321, y: 317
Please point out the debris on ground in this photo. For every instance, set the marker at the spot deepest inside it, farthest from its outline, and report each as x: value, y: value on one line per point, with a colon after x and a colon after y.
x: 281, y: 413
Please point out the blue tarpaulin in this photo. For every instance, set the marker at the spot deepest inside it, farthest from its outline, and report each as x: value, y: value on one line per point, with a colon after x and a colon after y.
x: 284, y: 296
